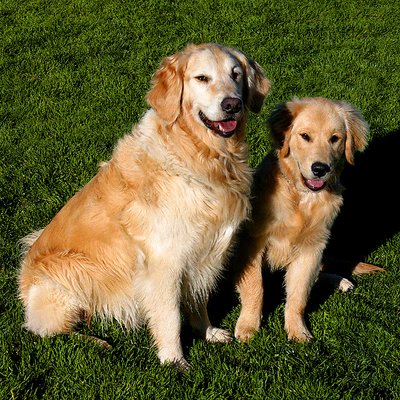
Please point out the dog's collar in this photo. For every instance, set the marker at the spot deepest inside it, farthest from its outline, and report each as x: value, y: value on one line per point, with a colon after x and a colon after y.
x: 292, y: 184
x: 287, y: 179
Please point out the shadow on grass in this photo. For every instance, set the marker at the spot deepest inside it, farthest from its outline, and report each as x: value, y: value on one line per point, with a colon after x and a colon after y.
x: 370, y: 213
x: 367, y: 219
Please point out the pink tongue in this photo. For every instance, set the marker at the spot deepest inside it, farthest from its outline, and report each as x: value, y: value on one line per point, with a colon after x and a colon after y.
x: 225, y: 126
x: 316, y: 183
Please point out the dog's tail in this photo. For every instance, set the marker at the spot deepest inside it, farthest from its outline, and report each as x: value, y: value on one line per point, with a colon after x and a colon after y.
x: 348, y: 268
x: 28, y: 241
x: 365, y: 268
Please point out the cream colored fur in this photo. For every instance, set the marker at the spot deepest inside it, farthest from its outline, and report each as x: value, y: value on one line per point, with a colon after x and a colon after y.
x: 150, y: 233
x: 291, y: 223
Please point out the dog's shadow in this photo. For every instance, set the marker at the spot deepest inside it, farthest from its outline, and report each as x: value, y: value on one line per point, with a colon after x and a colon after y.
x: 368, y: 218
x: 370, y: 213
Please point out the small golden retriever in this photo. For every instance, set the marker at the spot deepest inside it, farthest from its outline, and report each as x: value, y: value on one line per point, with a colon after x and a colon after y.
x: 296, y: 196
x: 149, y: 235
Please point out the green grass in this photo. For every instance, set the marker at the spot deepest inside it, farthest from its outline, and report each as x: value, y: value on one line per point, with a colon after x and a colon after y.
x: 73, y: 77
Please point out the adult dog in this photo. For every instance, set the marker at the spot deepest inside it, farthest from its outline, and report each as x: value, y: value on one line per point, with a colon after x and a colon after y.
x: 296, y: 197
x: 149, y: 235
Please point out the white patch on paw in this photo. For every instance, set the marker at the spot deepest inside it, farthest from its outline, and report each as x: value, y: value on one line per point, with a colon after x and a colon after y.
x: 217, y: 335
x: 345, y: 285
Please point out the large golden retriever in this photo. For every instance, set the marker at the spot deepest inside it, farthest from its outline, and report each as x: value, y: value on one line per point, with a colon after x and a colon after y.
x: 149, y: 235
x: 296, y: 197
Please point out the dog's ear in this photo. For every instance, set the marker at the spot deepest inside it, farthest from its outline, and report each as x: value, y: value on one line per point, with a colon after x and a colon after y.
x: 356, y: 130
x: 257, y: 84
x: 165, y: 94
x: 279, y: 123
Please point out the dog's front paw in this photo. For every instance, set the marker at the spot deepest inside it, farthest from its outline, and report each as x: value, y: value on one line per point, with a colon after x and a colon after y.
x: 245, y: 331
x: 173, y: 356
x: 217, y: 335
x: 298, y: 332
x: 300, y: 337
x: 180, y: 365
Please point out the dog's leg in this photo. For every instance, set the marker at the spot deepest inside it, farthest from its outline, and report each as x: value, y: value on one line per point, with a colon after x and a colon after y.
x: 50, y: 310
x: 299, y: 279
x: 161, y: 301
x: 201, y: 325
x: 250, y: 288
x: 341, y: 283
x: 337, y: 281
x: 94, y: 339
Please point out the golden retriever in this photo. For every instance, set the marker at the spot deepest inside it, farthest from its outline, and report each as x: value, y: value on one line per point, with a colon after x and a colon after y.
x: 296, y: 197
x: 149, y: 235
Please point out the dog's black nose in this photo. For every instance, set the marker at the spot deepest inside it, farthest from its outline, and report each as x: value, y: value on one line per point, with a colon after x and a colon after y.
x: 320, y: 169
x: 231, y: 105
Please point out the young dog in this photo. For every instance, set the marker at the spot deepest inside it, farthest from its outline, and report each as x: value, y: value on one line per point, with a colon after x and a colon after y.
x: 296, y: 196
x: 150, y: 233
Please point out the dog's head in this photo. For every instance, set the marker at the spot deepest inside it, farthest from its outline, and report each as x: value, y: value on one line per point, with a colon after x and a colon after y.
x: 316, y: 134
x: 213, y: 85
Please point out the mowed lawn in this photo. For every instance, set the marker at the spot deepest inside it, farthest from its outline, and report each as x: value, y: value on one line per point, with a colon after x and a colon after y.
x: 73, y: 80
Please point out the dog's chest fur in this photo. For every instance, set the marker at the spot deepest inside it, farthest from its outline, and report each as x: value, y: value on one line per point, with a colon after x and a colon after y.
x: 182, y: 213
x: 290, y: 220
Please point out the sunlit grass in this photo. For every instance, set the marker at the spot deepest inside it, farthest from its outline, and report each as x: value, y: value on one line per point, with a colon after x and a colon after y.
x: 73, y: 78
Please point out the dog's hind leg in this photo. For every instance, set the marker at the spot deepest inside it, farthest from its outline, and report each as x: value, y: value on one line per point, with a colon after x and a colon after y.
x: 337, y: 281
x: 94, y: 339
x: 50, y: 310
x: 201, y: 325
x: 344, y: 284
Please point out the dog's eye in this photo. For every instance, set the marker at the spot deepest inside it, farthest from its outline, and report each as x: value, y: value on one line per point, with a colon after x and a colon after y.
x: 202, y: 78
x: 235, y: 75
x: 305, y: 136
x: 334, y: 139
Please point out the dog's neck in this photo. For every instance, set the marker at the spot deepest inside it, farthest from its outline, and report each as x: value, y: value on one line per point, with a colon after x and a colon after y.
x: 209, y: 151
x: 186, y: 153
x: 288, y: 171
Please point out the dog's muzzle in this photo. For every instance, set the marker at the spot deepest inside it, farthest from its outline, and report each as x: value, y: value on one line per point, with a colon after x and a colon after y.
x: 232, y: 107
x: 320, y: 170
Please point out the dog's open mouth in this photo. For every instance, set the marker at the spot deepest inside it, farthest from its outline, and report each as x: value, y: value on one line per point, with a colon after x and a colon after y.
x: 225, y: 128
x: 315, y: 184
